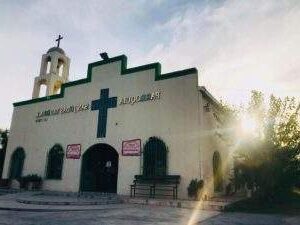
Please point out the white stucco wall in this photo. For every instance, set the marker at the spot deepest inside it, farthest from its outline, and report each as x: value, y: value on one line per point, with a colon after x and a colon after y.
x: 211, y: 142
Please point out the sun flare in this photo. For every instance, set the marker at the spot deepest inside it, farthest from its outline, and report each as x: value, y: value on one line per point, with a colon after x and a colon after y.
x: 248, y: 124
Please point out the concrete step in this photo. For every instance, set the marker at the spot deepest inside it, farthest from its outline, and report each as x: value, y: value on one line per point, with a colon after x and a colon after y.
x: 4, y: 191
x: 80, y: 194
x: 201, y: 205
x: 67, y: 202
x: 68, y: 198
x: 228, y: 199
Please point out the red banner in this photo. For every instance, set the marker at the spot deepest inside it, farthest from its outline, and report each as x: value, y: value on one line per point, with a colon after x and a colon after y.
x: 73, y: 151
x: 131, y: 147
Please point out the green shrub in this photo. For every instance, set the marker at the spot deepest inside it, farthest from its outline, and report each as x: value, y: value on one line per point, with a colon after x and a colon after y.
x: 195, y: 188
x: 228, y: 189
x: 31, y: 178
x: 25, y: 180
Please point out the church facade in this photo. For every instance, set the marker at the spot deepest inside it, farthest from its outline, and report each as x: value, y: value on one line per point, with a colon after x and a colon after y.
x: 97, y: 133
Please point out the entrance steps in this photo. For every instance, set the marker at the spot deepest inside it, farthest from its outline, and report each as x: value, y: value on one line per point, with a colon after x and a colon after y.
x: 84, y: 194
x: 70, y: 198
x: 4, y: 191
x: 213, y: 204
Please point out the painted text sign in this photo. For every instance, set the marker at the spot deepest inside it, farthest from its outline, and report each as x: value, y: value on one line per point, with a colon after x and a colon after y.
x: 74, y: 151
x: 131, y: 147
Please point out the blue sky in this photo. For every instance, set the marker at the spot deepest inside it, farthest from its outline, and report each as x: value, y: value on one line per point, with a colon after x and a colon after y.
x: 236, y: 45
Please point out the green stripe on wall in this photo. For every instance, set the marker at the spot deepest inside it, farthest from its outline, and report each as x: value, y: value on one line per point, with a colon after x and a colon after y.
x: 124, y: 71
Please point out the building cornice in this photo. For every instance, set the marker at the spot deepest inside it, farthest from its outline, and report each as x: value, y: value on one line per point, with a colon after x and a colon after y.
x: 209, y: 96
x: 124, y: 71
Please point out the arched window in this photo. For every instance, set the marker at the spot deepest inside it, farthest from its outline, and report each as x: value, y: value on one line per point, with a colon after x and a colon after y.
x: 55, y: 162
x: 217, y: 171
x: 60, y: 70
x: 16, y: 163
x: 60, y: 67
x: 48, y: 65
x: 155, y: 158
x: 43, y: 90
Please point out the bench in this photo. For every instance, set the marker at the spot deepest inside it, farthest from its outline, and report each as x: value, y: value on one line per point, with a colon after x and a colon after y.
x: 155, y: 186
x: 5, y: 183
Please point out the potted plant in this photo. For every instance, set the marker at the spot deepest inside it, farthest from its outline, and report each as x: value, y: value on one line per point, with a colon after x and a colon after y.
x: 228, y: 189
x: 195, y: 189
x: 31, y: 182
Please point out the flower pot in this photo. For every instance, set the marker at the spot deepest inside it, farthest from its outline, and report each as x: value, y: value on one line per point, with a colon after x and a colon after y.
x: 29, y: 186
x: 15, y: 184
x: 249, y: 193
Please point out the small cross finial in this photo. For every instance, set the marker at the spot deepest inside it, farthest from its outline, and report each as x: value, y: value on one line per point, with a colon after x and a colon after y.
x: 58, y: 40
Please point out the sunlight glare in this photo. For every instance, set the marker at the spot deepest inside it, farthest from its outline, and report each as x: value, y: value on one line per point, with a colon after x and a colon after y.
x: 248, y: 124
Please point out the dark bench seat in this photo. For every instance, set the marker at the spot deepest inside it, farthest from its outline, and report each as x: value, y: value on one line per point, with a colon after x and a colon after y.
x: 155, y: 186
x: 5, y: 183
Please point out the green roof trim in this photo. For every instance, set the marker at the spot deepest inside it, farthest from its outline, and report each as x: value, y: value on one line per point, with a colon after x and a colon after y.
x: 124, y: 71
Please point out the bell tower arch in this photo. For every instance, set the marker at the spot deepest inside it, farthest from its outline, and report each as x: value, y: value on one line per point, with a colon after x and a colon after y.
x: 54, y: 71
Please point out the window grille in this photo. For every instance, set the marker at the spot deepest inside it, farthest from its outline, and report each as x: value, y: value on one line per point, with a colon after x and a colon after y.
x: 55, y: 162
x: 154, y: 158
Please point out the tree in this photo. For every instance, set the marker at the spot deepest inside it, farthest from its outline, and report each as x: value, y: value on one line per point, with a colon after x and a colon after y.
x: 3, y: 143
x: 3, y: 138
x: 268, y: 160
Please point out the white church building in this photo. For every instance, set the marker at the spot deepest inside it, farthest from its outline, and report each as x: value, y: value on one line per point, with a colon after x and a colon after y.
x: 97, y: 133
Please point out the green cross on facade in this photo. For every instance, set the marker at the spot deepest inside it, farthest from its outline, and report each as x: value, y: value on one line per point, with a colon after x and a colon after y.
x: 103, y: 104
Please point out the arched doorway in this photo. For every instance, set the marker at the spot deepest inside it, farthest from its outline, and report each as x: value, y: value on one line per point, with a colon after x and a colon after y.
x: 2, y: 159
x: 217, y: 171
x: 99, y: 171
x: 16, y: 163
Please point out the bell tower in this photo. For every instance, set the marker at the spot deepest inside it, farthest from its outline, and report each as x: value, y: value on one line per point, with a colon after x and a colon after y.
x: 54, y: 71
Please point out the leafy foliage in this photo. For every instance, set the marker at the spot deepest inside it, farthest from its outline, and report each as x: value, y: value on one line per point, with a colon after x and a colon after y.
x: 267, y: 169
x: 195, y: 188
x: 31, y: 178
x: 268, y: 161
x: 3, y: 138
x: 3, y: 145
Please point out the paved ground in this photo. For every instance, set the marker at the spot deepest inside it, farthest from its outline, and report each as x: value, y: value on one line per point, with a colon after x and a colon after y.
x: 126, y: 214
x: 138, y: 215
x: 10, y: 202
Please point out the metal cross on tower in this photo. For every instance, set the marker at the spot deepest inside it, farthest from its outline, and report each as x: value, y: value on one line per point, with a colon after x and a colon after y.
x: 58, y: 40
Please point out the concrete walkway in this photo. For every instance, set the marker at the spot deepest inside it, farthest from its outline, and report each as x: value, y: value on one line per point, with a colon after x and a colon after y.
x: 13, y: 212
x: 142, y: 215
x: 16, y: 202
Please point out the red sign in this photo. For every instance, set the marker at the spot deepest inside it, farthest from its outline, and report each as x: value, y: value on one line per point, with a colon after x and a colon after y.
x: 74, y: 151
x: 131, y: 147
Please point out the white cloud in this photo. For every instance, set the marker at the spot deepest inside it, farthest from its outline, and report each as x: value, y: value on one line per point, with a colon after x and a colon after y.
x: 236, y: 45
x: 28, y: 29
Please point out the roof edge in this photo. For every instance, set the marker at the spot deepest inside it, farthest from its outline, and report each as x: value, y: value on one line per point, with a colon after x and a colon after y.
x: 208, y: 95
x: 124, y: 71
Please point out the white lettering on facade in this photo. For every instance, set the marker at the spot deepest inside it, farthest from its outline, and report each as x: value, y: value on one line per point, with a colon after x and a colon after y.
x: 140, y: 98
x: 42, y: 116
